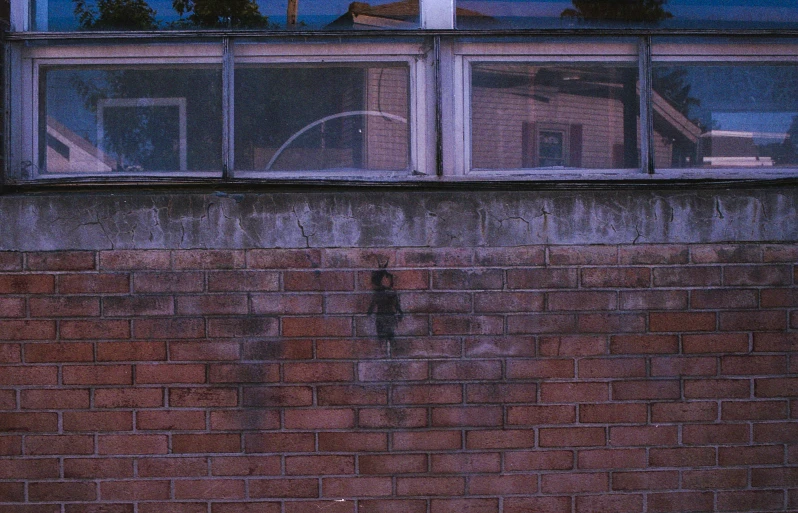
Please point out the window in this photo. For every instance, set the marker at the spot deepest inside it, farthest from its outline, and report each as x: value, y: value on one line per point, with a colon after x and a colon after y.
x: 400, y: 90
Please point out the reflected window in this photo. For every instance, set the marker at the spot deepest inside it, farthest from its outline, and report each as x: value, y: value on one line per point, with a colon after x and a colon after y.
x: 725, y: 115
x: 106, y: 120
x: 554, y: 116
x: 322, y: 117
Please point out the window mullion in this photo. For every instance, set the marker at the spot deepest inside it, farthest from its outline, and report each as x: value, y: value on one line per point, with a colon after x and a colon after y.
x: 646, y: 110
x: 228, y: 102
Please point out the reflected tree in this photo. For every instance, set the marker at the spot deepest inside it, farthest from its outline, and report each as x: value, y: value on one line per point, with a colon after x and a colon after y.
x: 640, y: 11
x: 115, y: 15
x: 221, y: 13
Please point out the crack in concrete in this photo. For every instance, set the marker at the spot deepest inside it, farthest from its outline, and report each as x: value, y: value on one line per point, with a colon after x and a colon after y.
x: 302, y: 228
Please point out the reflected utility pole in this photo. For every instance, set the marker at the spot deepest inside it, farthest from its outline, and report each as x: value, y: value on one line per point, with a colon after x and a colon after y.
x: 292, y: 12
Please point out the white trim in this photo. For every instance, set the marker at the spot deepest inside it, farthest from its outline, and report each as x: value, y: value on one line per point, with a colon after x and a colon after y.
x: 437, y: 14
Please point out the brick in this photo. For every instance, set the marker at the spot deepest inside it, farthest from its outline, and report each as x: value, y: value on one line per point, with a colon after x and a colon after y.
x: 540, y: 368
x: 430, y: 486
x: 754, y: 365
x: 47, y: 445
x: 60, y: 261
x: 322, y: 418
x: 469, y: 463
x: 211, y: 489
x: 135, y: 259
x: 208, y: 259
x: 277, y: 396
x: 376, y: 418
x: 715, y: 434
x: 468, y: 505
x: 131, y: 490
x: 244, y: 373
x: 645, y: 390
x: 97, y: 375
x: 213, y: 304
x: 170, y: 373
x: 681, y: 457
x: 696, y: 411
x: 138, y: 306
x: 687, y: 276
x: 10, y: 446
x: 547, y: 504
x: 62, y: 491
x: 653, y: 254
x: 174, y: 327
x: 575, y: 482
x: 10, y: 353
x: 245, y: 465
x: 779, y: 252
x: 243, y: 281
x: 582, y: 300
x: 515, y: 346
x: 27, y: 330
x: 540, y: 415
x: 94, y: 283
x: 244, y: 420
x: 724, y: 299
x: 611, y: 322
x: 284, y: 488
x: 751, y: 500
x: 612, y: 459
x: 38, y: 375
x: 97, y: 468
x: 779, y: 298
x: 27, y: 284
x: 392, y: 464
x: 627, y: 277
x: 645, y: 480
x: 352, y: 442
x: 752, y: 321
x: 172, y: 467
x: 572, y: 437
x: 714, y: 479
x: 542, y: 278
x: 509, y: 392
x: 202, y: 397
x: 717, y: 389
x: 421, y: 347
x: 682, y: 321
x: 217, y: 350
x: 751, y: 455
x: 64, y: 306
x: 538, y: 460
x: 172, y: 507
x: 574, y: 392
x: 59, y: 352
x: 10, y: 261
x: 28, y: 422
x: 684, y: 366
x: 626, y: 436
x: 283, y: 258
x: 8, y: 400
x: 460, y: 279
x: 572, y: 345
x: 288, y: 304
x: 356, y: 486
x: 653, y: 300
x: 55, y: 399
x: 344, y: 395
x: 680, y: 501
x: 317, y: 372
x: 466, y: 370
x: 425, y: 302
x: 11, y: 307
x: 393, y: 371
x: 97, y: 329
x: 322, y: 506
x: 612, y: 368
x: 776, y: 432
x: 541, y: 323
x: 426, y: 440
x: 98, y: 421
x: 613, y: 413
x: 427, y: 394
x: 510, y: 256
x: 131, y: 351
x: 168, y: 420
x: 403, y: 279
x: 774, y: 477
x: 434, y: 257
x: 582, y: 255
x: 705, y: 254
x: 776, y: 387
x: 609, y: 504
x: 468, y: 416
x: 128, y: 398
x: 205, y: 443
x: 467, y: 325
x: 391, y: 506
x: 133, y: 444
x: 757, y: 275
x: 715, y: 343
x: 39, y: 468
x: 319, y: 465
x: 357, y: 257
x: 168, y: 282
x: 318, y: 281
x: 317, y: 326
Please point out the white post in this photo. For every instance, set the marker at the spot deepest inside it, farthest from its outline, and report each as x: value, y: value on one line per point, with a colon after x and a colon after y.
x: 437, y: 14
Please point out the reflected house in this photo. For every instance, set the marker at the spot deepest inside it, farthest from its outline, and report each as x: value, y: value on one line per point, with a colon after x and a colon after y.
x: 402, y: 14
x: 68, y: 152
x: 731, y: 148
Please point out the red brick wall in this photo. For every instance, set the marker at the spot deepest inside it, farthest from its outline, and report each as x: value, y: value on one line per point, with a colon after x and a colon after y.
x: 559, y: 379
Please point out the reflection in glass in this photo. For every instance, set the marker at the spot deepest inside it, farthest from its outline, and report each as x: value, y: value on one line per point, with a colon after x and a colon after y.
x: 554, y: 116
x: 322, y: 117
x: 725, y: 115
x: 621, y: 13
x: 103, y: 120
x: 68, y: 15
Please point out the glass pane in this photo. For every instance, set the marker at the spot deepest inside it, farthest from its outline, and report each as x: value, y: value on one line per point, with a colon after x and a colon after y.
x: 67, y: 15
x: 725, y: 115
x: 554, y: 116
x: 103, y: 120
x: 322, y: 117
x: 485, y: 14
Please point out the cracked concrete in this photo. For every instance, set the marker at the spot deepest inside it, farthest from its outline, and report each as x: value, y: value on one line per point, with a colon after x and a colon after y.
x: 185, y: 220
